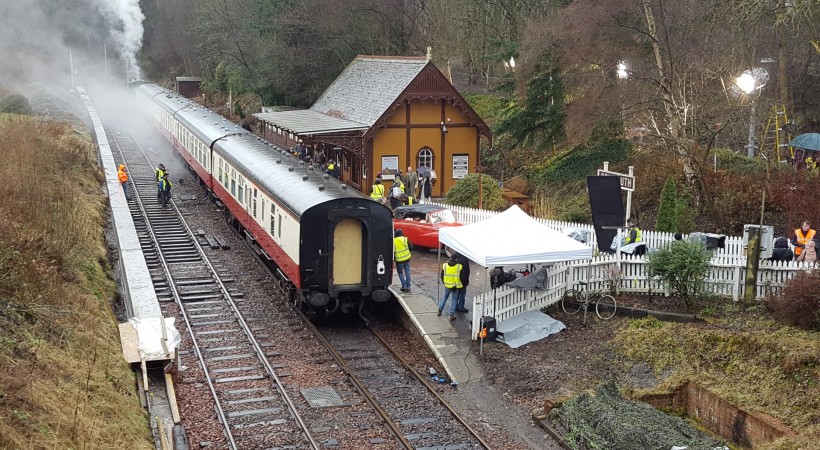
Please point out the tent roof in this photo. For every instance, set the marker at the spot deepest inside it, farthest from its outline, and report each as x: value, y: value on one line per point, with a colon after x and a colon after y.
x: 808, y: 141
x: 511, y: 238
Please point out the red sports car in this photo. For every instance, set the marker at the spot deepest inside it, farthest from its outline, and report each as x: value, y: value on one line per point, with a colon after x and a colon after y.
x: 420, y: 223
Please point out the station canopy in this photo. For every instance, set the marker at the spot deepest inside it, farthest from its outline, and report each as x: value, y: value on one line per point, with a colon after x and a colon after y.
x: 512, y: 238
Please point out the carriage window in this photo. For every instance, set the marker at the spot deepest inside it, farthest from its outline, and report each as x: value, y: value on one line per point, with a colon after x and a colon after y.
x: 280, y: 227
x: 241, y: 189
x: 425, y: 157
x: 254, y: 202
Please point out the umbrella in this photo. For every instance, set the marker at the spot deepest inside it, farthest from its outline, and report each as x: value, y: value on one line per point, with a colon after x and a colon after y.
x: 807, y: 141
x: 424, y: 171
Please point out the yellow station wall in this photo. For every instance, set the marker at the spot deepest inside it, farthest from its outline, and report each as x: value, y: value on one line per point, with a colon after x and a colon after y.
x: 457, y: 140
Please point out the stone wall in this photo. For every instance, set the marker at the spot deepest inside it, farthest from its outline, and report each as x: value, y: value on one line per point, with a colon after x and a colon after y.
x: 748, y: 429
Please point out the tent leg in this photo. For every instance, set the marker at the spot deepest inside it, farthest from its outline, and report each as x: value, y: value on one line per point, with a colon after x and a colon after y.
x: 438, y: 278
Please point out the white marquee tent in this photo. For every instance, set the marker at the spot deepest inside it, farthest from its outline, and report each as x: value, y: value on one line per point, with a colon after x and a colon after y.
x: 512, y: 238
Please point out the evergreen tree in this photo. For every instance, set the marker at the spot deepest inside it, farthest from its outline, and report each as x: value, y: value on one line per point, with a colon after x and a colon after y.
x: 537, y: 120
x: 668, y: 209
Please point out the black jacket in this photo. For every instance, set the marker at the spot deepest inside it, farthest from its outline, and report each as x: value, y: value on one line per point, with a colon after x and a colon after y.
x: 465, y: 268
x: 781, y: 251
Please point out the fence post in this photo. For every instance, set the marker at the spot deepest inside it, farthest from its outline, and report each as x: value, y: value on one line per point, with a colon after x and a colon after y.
x: 736, y: 283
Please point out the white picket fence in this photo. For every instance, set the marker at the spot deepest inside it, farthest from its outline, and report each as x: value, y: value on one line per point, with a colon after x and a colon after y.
x: 733, y: 245
x: 726, y: 276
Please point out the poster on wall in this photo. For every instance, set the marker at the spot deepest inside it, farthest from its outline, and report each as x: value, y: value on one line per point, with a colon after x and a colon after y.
x: 390, y: 164
x: 461, y: 166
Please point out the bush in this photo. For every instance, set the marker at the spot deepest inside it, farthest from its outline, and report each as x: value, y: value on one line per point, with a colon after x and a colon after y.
x: 682, y: 266
x: 465, y: 193
x: 15, y: 104
x: 799, y: 304
x: 668, y: 210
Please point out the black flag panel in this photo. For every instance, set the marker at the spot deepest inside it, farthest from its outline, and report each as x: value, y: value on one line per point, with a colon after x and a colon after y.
x: 607, y: 207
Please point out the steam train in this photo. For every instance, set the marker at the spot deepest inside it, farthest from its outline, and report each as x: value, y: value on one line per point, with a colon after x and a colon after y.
x: 331, y: 246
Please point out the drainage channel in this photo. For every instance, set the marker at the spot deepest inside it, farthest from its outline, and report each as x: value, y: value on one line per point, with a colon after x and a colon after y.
x: 249, y: 398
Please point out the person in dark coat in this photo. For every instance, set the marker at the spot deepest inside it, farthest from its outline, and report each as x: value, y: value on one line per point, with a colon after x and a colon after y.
x: 465, y: 280
x: 781, y: 251
x: 426, y: 188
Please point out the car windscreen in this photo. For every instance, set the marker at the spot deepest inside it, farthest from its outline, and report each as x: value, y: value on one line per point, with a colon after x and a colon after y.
x: 442, y: 216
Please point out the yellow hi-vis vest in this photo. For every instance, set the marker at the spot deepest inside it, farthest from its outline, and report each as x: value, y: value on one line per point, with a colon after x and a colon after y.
x: 452, y: 276
x: 378, y: 191
x: 629, y: 235
x: 401, y: 249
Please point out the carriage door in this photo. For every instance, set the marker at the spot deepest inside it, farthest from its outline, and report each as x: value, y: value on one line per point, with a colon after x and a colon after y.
x: 347, y: 252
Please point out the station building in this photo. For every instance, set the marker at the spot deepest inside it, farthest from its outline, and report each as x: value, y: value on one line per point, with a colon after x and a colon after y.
x: 385, y: 113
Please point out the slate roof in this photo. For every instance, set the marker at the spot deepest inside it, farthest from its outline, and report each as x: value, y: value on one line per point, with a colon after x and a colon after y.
x: 307, y: 121
x: 368, y: 86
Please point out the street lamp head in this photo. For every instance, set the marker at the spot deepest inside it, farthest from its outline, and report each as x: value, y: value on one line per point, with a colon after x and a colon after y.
x: 752, y: 80
x: 621, y: 72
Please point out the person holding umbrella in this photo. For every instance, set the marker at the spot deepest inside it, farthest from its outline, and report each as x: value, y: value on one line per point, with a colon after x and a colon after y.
x: 425, y: 175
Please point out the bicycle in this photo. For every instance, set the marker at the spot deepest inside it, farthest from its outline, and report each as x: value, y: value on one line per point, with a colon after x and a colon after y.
x: 574, y: 300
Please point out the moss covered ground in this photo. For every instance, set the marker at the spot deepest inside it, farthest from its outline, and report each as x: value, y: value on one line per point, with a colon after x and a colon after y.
x: 742, y: 355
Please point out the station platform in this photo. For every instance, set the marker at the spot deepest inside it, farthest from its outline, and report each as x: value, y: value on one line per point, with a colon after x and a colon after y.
x: 448, y: 340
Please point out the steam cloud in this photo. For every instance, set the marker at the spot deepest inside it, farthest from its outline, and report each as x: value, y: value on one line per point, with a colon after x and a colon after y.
x: 37, y: 36
x: 128, y: 17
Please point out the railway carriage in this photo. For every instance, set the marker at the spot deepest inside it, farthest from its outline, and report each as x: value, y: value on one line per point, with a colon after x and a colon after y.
x: 331, y: 246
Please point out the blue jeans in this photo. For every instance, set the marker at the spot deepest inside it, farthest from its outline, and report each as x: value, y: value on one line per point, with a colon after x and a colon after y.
x: 447, y: 291
x: 125, y: 189
x: 403, y: 269
x: 462, y: 297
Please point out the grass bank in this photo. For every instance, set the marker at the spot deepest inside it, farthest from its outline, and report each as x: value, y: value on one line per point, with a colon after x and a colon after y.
x: 63, y: 382
x: 744, y: 356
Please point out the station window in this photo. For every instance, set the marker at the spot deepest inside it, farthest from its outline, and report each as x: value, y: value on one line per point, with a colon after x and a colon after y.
x: 425, y: 158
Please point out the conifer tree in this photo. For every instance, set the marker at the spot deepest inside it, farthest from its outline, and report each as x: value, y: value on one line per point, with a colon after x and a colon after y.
x: 668, y: 209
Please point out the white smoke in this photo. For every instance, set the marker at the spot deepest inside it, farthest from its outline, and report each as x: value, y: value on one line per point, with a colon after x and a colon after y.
x: 126, y: 18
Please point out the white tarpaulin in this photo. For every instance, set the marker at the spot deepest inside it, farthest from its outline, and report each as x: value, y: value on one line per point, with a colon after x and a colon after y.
x: 527, y: 327
x: 510, y: 238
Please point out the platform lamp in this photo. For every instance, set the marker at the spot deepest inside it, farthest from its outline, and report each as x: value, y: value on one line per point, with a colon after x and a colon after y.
x: 751, y: 83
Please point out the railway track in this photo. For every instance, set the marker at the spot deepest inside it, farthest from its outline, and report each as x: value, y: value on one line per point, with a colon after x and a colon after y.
x: 239, y: 346
x: 411, y: 406
x: 249, y: 398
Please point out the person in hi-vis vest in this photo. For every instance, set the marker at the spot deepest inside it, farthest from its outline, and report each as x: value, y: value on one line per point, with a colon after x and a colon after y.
x: 802, y: 235
x: 451, y: 277
x: 401, y: 255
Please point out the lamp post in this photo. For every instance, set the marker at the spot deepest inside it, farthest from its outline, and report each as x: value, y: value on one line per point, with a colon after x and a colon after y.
x: 751, y: 83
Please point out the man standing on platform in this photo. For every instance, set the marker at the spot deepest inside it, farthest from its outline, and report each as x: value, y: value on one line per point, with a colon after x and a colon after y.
x: 465, y: 281
x: 401, y: 255
x: 451, y: 277
x: 411, y: 182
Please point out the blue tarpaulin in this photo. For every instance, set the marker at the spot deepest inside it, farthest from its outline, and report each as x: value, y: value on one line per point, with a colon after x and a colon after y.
x: 807, y: 141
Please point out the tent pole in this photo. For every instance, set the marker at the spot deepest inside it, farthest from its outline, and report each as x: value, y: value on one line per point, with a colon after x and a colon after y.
x: 438, y: 278
x: 481, y: 319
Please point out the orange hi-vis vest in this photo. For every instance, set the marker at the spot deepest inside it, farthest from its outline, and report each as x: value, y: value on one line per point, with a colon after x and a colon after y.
x: 122, y: 176
x: 802, y: 239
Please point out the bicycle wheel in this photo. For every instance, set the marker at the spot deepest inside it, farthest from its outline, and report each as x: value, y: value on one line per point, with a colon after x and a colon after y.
x: 572, y: 301
x: 606, y: 306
